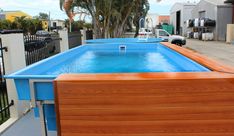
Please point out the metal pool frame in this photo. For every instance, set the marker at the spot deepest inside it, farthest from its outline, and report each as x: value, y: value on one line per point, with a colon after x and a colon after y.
x: 36, y: 103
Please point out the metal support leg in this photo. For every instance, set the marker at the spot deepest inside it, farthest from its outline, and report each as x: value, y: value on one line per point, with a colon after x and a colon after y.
x: 33, y: 91
x: 42, y: 119
x: 39, y: 104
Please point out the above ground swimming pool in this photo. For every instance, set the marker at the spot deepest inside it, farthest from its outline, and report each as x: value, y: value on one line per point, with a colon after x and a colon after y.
x: 102, y: 58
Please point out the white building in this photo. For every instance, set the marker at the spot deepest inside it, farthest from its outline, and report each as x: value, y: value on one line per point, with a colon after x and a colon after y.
x: 57, y: 23
x: 179, y: 13
x: 154, y: 17
x: 216, y: 10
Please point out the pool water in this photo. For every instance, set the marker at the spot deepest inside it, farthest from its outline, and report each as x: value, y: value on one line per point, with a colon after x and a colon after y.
x: 122, y: 62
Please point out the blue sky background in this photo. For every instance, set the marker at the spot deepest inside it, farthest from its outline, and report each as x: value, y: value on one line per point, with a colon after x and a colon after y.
x: 33, y: 7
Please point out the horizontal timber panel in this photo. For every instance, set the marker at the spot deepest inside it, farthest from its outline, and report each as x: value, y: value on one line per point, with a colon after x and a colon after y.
x: 153, y: 134
x: 157, y: 117
x: 186, y: 99
x: 136, y: 87
x: 144, y: 111
x: 128, y: 127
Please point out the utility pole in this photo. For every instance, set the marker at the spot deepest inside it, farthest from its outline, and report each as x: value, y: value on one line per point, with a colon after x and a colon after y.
x: 70, y: 24
x: 49, y: 22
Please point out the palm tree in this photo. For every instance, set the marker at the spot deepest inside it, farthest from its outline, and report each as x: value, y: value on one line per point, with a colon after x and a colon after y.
x: 21, y: 23
x: 5, y: 24
x: 110, y: 17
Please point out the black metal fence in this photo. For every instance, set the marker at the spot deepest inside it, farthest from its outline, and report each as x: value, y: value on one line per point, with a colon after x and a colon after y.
x: 39, y: 47
x: 89, y: 34
x: 4, y: 104
x: 74, y: 39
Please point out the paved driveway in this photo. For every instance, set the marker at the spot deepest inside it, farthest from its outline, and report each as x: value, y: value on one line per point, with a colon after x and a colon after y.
x: 217, y: 50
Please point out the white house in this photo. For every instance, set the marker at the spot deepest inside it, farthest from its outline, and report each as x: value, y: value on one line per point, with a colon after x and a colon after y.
x: 57, y: 23
x: 154, y: 17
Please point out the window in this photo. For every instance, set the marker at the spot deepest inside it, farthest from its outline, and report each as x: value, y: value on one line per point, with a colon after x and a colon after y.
x: 163, y: 33
x: 54, y: 24
x: 202, y: 14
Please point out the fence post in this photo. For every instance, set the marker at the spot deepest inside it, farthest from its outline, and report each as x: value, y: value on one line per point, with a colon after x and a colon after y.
x: 83, y: 36
x: 64, y: 45
x: 14, y: 59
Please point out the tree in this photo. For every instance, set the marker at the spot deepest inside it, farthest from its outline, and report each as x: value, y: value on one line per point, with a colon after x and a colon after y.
x: 141, y: 11
x: 21, y: 23
x: 110, y: 18
x: 43, y: 16
x: 77, y: 25
x: 5, y: 24
x: 26, y: 24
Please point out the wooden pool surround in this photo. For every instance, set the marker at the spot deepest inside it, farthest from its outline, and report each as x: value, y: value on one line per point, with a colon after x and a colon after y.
x: 148, y: 104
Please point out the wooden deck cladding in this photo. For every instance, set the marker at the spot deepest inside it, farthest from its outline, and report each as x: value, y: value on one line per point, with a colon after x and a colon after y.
x: 146, y: 104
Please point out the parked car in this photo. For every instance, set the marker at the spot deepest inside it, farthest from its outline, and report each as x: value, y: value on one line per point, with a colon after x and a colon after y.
x: 174, y: 39
x: 44, y: 35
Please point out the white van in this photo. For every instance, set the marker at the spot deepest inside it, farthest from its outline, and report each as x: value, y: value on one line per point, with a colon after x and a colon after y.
x: 174, y: 39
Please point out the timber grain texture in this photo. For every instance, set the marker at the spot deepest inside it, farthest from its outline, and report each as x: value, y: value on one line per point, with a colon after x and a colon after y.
x: 183, y: 107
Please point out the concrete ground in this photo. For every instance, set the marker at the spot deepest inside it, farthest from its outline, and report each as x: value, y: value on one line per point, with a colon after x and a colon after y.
x: 26, y: 126
x: 219, y: 51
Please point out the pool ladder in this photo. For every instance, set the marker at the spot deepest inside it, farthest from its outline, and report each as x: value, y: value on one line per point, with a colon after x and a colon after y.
x: 146, y: 22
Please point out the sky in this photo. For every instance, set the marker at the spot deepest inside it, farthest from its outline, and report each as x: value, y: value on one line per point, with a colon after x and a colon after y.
x: 33, y: 7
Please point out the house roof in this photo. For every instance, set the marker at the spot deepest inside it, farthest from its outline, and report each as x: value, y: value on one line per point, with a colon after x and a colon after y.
x: 14, y: 11
x: 11, y: 11
x: 185, y: 3
x: 58, y: 20
x: 182, y: 4
x: 217, y: 2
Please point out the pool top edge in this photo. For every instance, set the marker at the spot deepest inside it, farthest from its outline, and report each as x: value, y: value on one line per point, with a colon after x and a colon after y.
x: 211, y: 64
x: 143, y: 76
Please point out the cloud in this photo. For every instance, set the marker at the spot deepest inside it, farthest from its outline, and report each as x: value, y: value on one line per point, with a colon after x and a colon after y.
x: 163, y: 7
x: 169, y: 2
x: 33, y: 7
